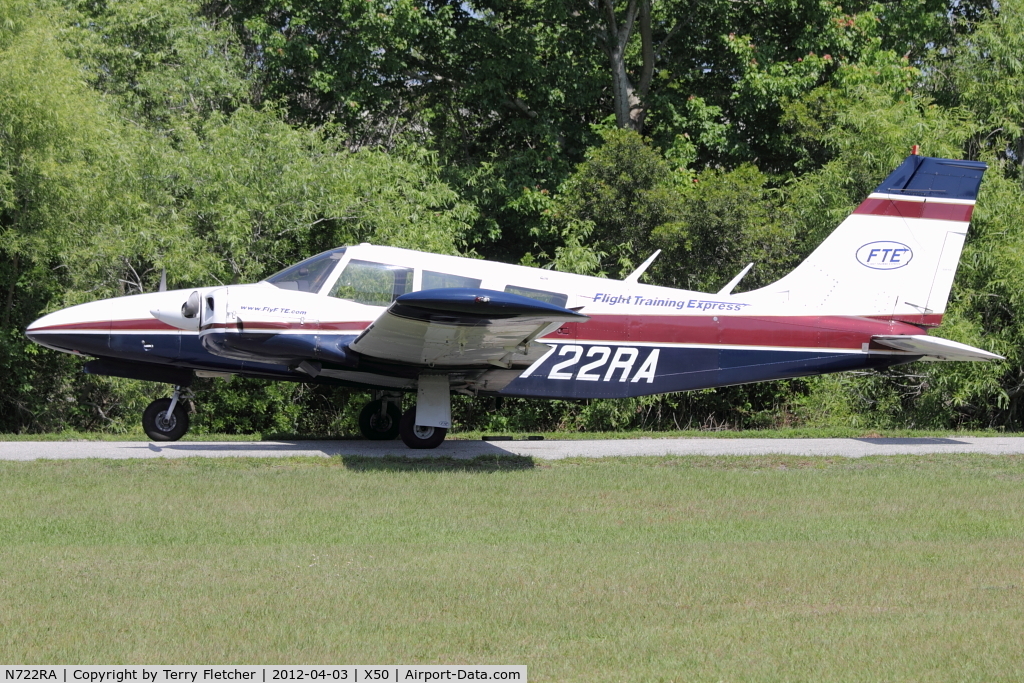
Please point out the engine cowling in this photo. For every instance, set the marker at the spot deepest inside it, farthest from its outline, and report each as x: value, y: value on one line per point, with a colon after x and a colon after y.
x: 266, y: 325
x: 185, y: 317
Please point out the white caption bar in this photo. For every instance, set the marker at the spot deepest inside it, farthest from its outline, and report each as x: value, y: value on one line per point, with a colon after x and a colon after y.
x: 394, y: 673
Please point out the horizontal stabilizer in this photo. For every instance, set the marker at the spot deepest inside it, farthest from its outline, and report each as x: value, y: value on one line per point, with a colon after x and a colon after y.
x: 934, y: 348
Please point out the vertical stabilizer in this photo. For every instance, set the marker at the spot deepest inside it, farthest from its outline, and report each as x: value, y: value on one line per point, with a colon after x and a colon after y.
x: 896, y: 254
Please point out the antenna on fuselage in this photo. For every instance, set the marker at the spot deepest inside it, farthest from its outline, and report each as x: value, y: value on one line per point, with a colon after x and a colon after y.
x: 735, y: 281
x: 634, y: 277
x: 163, y: 281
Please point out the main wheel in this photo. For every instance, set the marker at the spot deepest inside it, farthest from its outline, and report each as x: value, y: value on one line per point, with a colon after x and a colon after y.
x: 420, y: 437
x: 163, y: 427
x: 379, y: 427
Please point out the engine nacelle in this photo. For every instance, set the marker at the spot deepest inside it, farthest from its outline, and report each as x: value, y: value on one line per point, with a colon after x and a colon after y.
x: 269, y: 325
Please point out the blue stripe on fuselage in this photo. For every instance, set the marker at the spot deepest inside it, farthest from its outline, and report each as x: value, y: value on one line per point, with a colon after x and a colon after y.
x: 181, y: 350
x: 597, y: 371
x: 563, y: 374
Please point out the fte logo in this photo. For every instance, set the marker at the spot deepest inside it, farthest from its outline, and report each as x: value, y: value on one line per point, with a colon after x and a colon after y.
x: 885, y: 255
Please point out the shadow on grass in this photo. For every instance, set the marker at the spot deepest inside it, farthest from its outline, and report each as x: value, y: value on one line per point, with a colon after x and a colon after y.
x: 483, y: 464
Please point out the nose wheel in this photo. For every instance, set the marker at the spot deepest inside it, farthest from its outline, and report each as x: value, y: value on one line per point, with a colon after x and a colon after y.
x: 165, y: 419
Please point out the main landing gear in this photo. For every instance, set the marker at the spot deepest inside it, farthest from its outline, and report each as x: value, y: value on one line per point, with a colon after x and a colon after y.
x: 166, y: 419
x: 420, y: 436
x: 425, y: 425
x: 380, y: 418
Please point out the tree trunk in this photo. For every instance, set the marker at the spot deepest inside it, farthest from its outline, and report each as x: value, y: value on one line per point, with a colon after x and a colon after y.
x: 622, y: 91
x: 637, y: 108
x: 627, y: 99
x: 9, y: 308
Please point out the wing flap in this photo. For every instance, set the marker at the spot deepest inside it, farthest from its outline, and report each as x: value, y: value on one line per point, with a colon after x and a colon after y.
x: 462, y: 327
x: 934, y: 348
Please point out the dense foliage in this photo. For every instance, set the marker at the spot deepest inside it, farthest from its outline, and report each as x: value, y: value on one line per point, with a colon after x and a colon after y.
x: 221, y: 141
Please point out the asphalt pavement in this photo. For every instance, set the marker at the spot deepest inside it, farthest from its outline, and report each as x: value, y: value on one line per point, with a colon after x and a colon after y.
x: 541, y: 450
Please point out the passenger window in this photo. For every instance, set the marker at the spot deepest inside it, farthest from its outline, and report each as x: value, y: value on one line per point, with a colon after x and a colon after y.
x: 432, y: 280
x: 374, y: 284
x: 540, y: 295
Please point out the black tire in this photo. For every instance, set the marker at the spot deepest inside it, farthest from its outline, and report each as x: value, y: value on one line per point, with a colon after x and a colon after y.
x: 377, y: 427
x: 420, y: 437
x: 159, y: 427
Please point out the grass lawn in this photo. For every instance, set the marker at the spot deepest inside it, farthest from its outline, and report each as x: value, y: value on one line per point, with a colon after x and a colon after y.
x: 640, y: 569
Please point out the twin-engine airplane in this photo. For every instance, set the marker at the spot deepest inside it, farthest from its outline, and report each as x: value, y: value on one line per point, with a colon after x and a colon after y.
x: 398, y: 321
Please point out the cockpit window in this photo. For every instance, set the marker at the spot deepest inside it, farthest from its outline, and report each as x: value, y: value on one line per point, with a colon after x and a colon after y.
x: 374, y: 284
x: 308, y: 275
x: 432, y: 280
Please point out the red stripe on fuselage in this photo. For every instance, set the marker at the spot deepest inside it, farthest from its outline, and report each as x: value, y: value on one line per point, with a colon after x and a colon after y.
x: 310, y: 326
x: 358, y: 325
x: 151, y: 324
x: 925, y: 209
x: 93, y: 325
x: 930, y: 320
x: 140, y: 325
x: 784, y: 331
x: 835, y: 332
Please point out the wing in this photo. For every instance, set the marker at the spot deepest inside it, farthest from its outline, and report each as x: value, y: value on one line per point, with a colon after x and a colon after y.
x: 462, y: 327
x: 933, y: 348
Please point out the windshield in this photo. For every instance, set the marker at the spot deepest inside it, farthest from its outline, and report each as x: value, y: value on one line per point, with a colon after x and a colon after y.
x: 308, y: 275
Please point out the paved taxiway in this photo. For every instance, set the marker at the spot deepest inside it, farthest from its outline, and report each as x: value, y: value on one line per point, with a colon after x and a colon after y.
x: 543, y: 450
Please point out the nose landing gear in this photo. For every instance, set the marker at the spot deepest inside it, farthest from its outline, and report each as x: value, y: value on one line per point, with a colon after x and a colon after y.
x: 165, y: 419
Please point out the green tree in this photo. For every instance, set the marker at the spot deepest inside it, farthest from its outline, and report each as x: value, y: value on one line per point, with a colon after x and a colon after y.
x: 165, y: 169
x: 163, y: 61
x: 60, y: 154
x: 725, y: 221
x: 617, y: 197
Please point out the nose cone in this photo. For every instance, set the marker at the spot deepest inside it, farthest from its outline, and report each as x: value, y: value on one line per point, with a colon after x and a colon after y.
x: 46, y: 321
x: 79, y: 329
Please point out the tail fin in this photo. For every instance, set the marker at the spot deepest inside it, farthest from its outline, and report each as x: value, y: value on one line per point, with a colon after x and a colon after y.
x: 896, y: 255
